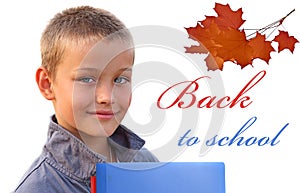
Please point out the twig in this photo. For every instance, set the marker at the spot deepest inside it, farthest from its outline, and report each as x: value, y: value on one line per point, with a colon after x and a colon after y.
x: 272, y: 25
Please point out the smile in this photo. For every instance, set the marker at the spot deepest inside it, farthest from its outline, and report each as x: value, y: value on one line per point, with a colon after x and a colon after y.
x: 103, y: 114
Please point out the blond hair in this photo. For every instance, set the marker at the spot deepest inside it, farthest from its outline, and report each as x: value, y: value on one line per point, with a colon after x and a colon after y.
x: 77, y: 26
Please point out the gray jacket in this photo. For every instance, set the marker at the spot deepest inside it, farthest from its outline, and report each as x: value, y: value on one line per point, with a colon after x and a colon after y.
x: 66, y: 163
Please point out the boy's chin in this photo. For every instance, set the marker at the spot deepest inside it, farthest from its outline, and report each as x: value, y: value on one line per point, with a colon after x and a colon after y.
x: 96, y: 128
x: 97, y: 132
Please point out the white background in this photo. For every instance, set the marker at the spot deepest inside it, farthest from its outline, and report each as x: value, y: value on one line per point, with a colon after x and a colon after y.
x: 25, y: 114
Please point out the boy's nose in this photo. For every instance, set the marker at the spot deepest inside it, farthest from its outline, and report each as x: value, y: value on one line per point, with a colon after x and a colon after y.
x: 104, y: 94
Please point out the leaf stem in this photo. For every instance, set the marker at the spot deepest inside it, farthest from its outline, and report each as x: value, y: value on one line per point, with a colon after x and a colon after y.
x: 271, y: 25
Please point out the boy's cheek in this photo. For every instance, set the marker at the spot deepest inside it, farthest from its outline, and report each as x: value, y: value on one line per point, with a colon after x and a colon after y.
x: 82, y: 100
x: 81, y: 93
x: 123, y: 97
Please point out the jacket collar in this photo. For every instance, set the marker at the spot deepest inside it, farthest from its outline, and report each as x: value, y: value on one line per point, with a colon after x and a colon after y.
x: 66, y: 152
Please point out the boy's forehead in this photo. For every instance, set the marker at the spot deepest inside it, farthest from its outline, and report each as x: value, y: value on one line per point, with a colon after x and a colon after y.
x: 102, y: 53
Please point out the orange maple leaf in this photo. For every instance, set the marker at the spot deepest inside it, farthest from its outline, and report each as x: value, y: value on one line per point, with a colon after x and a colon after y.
x: 235, y: 47
x: 204, y: 36
x: 261, y: 47
x: 285, y: 41
x: 214, y: 62
x: 221, y: 37
x: 227, y: 18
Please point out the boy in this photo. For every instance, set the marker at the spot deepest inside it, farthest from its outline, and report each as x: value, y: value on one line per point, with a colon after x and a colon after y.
x: 87, y: 58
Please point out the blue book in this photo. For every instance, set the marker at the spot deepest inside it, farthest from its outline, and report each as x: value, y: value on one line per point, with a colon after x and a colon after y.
x: 149, y: 177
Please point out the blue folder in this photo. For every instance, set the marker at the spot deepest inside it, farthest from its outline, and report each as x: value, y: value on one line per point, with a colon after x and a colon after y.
x: 172, y: 177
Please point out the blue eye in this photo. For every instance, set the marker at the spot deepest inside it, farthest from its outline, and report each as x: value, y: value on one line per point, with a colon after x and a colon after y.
x: 86, y: 80
x: 121, y: 80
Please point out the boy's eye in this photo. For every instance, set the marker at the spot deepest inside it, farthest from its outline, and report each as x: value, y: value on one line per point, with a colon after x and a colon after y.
x: 121, y: 80
x: 86, y: 80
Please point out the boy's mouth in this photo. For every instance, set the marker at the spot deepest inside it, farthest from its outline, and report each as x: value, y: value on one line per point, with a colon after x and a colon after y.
x: 103, y: 114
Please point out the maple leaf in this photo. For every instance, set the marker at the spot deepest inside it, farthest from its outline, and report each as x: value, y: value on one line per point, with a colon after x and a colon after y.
x: 235, y: 47
x: 214, y: 62
x: 261, y: 47
x: 222, y: 39
x: 205, y: 36
x: 196, y: 49
x: 285, y: 41
x: 206, y: 39
x: 227, y: 18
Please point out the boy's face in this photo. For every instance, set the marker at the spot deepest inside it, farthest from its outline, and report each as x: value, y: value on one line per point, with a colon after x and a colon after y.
x: 92, y: 88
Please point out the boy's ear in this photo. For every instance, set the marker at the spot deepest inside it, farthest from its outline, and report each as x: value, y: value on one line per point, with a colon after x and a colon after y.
x: 44, y: 83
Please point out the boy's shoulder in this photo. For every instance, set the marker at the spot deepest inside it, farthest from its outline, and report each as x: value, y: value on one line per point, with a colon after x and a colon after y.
x: 32, y: 180
x: 42, y: 177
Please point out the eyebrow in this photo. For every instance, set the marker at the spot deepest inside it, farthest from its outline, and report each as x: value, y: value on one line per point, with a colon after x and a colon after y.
x: 95, y: 69
x: 126, y: 69
x: 85, y: 69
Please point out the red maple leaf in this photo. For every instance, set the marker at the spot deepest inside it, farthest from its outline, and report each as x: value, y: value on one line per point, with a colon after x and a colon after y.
x: 214, y: 62
x: 261, y: 47
x: 285, y: 41
x: 221, y: 37
x: 227, y: 18
x: 235, y: 47
x: 204, y: 36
